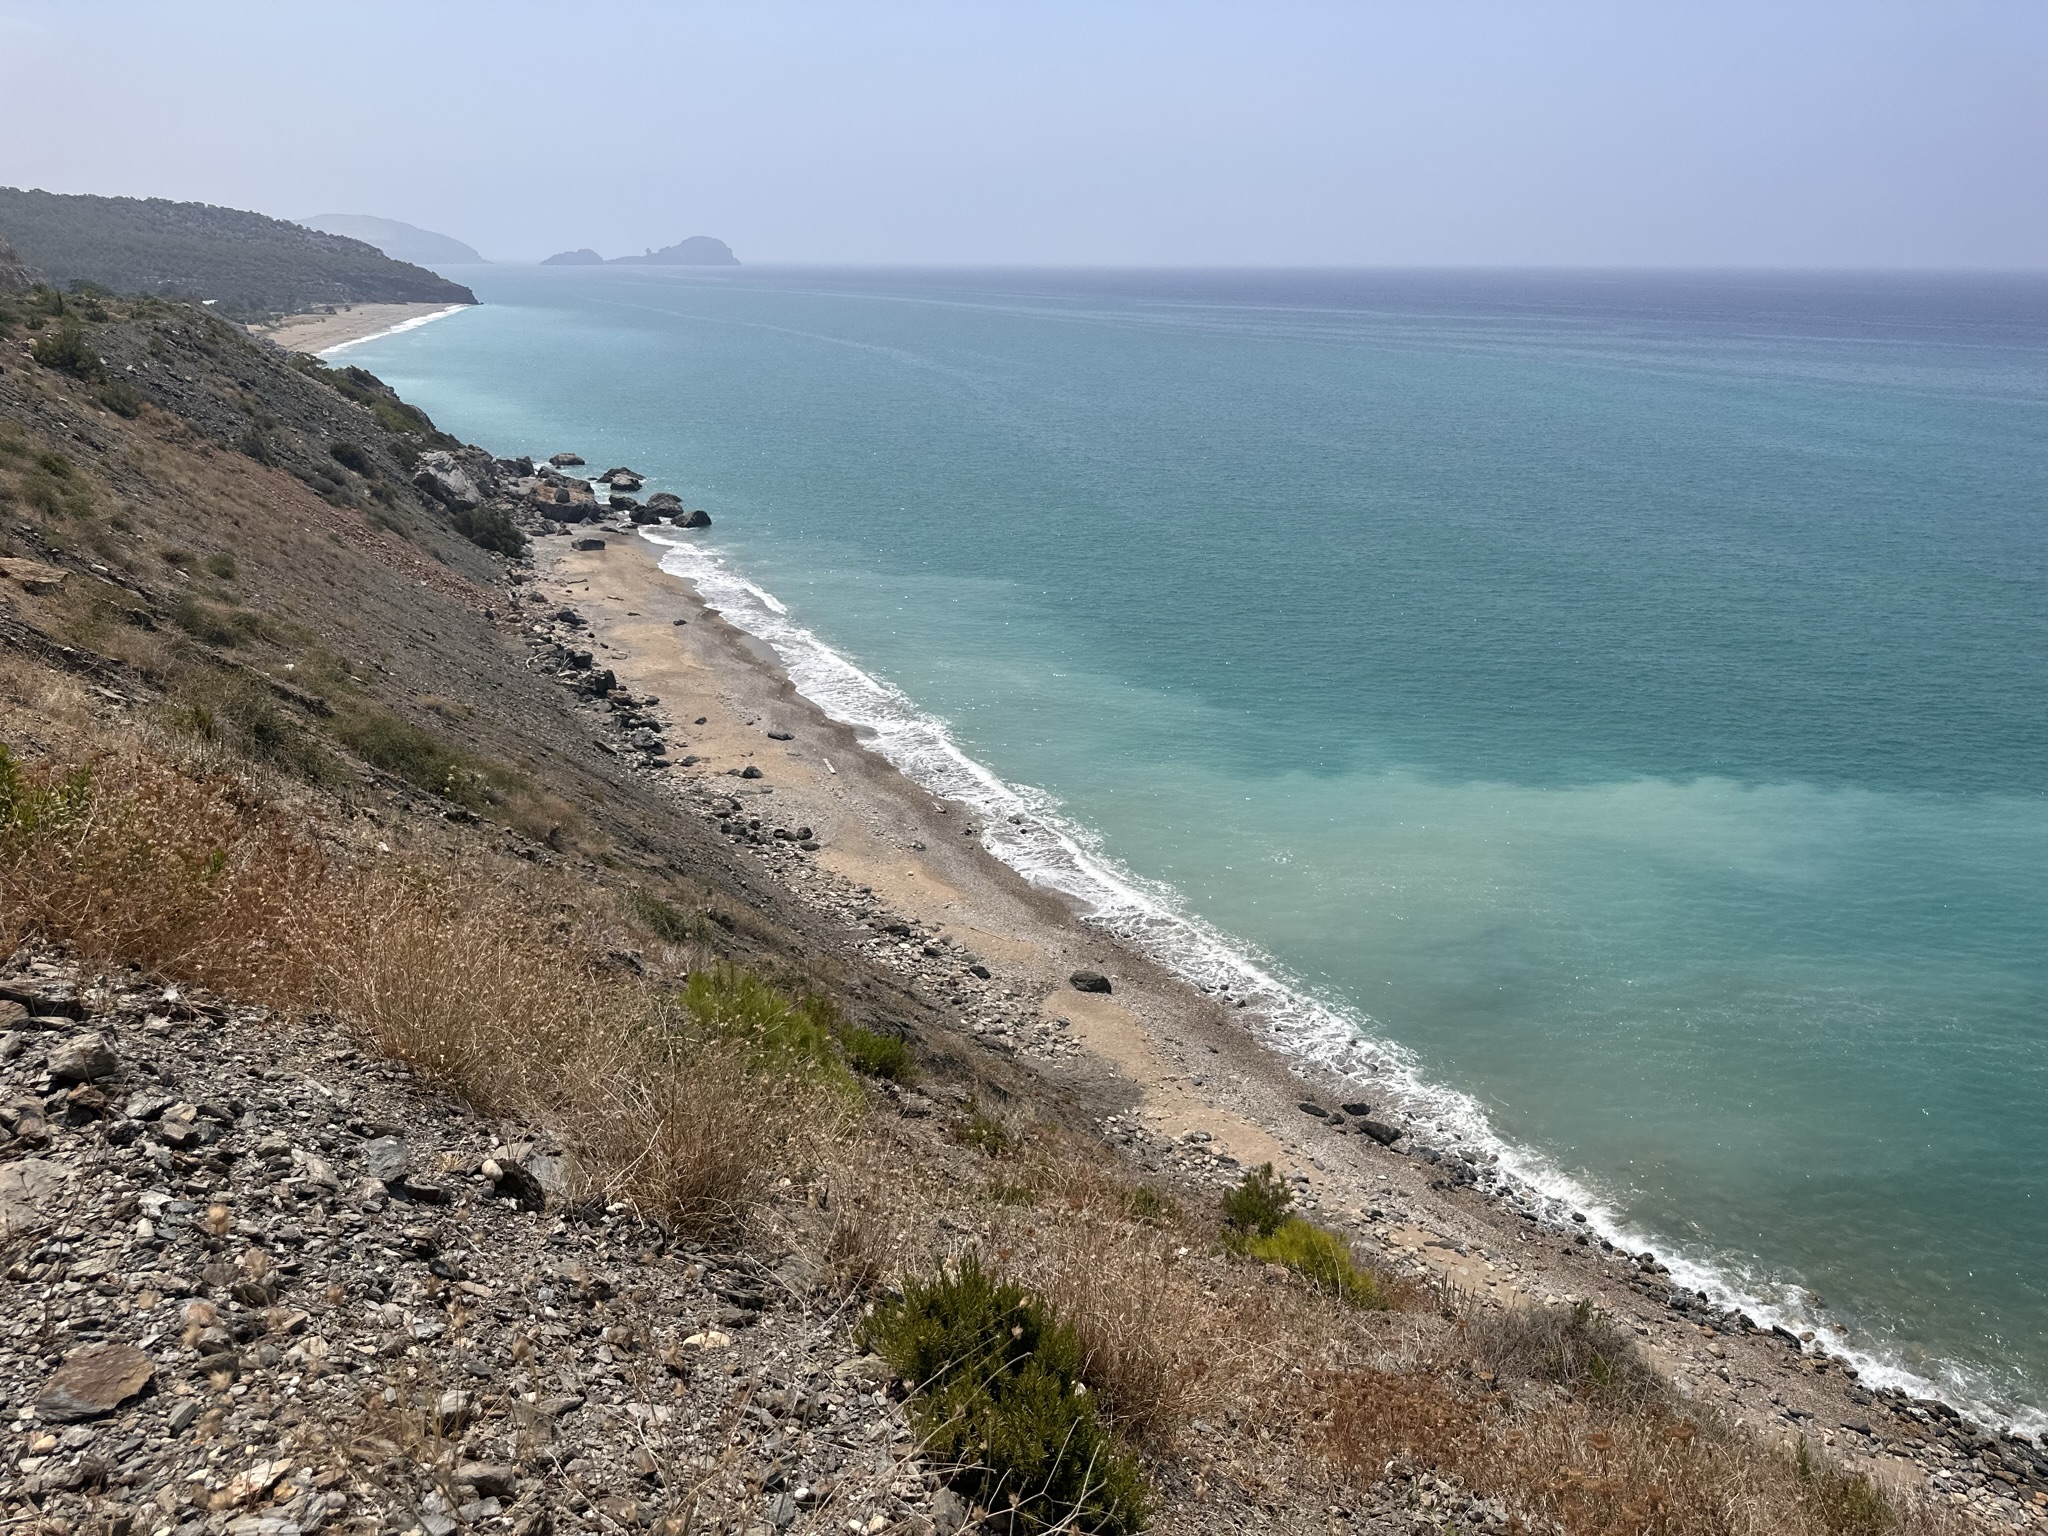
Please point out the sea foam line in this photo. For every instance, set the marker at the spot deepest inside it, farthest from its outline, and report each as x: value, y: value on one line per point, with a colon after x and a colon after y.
x: 393, y: 330
x: 1023, y: 826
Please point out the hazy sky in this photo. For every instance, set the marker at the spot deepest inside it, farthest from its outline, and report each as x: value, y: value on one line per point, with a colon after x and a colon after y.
x: 1778, y: 132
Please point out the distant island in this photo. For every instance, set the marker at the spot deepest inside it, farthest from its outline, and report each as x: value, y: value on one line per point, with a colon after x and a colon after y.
x: 697, y: 251
x: 245, y: 264
x: 399, y: 241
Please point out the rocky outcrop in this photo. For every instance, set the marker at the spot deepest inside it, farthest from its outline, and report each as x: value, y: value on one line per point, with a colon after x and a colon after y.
x: 459, y: 481
x: 583, y: 258
x: 15, y: 276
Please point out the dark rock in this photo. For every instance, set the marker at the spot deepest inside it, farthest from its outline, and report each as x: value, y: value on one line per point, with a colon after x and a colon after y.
x: 1358, y: 1111
x: 619, y: 472
x: 1308, y: 1108
x: 698, y: 519
x: 490, y: 1480
x: 1090, y: 981
x: 665, y: 501
x: 588, y: 544
x: 780, y: 736
x: 642, y: 516
x: 95, y: 1381
x: 980, y: 971
x: 82, y: 1059
x: 622, y: 504
x: 515, y: 1182
x: 1386, y: 1135
x: 750, y: 772
x: 564, y: 460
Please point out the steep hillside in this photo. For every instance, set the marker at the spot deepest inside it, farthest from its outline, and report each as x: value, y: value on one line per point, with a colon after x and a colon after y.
x: 246, y: 263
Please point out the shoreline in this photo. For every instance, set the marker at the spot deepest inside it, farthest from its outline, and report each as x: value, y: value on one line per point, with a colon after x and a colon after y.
x: 320, y: 332
x: 1170, y: 1074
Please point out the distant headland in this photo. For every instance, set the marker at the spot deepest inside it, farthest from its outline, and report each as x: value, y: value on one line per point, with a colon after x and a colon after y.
x: 697, y: 251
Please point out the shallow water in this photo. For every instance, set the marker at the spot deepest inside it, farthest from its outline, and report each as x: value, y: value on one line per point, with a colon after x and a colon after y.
x: 1626, y: 695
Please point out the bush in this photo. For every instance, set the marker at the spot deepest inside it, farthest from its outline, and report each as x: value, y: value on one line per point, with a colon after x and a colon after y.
x: 780, y: 1033
x: 67, y: 351
x: 490, y: 528
x: 983, y: 1132
x: 120, y: 398
x: 415, y: 755
x: 1319, y: 1256
x: 227, y: 627
x: 873, y: 1054
x: 1579, y: 1348
x: 997, y: 1396
x: 1259, y: 1204
x: 349, y: 456
x: 222, y: 565
x: 664, y: 921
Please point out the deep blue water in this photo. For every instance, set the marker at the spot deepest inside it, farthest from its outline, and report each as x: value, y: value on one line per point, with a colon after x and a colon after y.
x: 1627, y: 693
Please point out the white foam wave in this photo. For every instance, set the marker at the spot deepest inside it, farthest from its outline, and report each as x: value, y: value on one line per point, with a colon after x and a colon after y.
x: 393, y: 330
x: 1025, y: 828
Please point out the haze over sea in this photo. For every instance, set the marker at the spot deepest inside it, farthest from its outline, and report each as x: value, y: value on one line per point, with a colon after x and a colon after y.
x: 1626, y: 693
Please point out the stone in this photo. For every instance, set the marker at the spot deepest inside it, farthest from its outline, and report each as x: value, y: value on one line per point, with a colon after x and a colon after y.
x: 981, y: 972
x: 517, y: 1183
x: 750, y: 772
x: 698, y: 519
x: 93, y: 1382
x: 1359, y: 1111
x: 665, y: 501
x: 564, y: 460
x: 31, y: 1190
x: 1090, y: 981
x: 1309, y: 1108
x: 32, y: 576
x: 587, y: 544
x: 82, y: 1059
x: 184, y: 1413
x: 781, y: 736
x: 1386, y: 1135
x: 386, y: 1159
x: 439, y: 476
x: 454, y: 1411
x: 491, y: 1480
x: 642, y: 516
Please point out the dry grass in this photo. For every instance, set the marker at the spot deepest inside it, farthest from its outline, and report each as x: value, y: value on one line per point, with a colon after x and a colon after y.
x: 490, y: 979
x: 1551, y: 1413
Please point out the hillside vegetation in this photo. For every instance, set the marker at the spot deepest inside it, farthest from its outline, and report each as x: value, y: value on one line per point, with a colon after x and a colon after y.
x: 249, y: 265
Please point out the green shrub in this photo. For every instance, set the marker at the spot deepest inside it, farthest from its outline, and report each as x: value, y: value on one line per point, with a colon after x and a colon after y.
x: 997, y: 1395
x: 983, y: 1132
x: 121, y: 398
x: 67, y: 351
x: 1319, y: 1256
x: 216, y: 625
x: 490, y: 528
x: 1259, y: 1203
x: 781, y: 1033
x: 351, y: 457
x: 54, y: 485
x: 222, y: 565
x: 1847, y: 1502
x: 29, y: 810
x: 664, y: 921
x: 1148, y: 1205
x: 874, y: 1054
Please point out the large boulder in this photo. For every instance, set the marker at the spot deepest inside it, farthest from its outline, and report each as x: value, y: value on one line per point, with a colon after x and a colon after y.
x: 697, y: 519
x: 448, y: 482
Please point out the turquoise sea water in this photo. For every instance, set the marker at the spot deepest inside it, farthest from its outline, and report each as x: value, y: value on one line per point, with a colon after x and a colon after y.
x: 1622, y: 697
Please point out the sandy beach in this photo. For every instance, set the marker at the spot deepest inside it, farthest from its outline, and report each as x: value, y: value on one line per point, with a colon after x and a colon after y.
x: 322, y: 331
x: 1171, y: 1075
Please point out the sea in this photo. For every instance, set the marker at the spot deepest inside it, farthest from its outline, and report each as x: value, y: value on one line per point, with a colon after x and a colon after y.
x: 1606, y: 713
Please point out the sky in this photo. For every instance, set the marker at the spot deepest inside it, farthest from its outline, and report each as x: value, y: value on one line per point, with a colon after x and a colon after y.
x: 1773, y: 133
